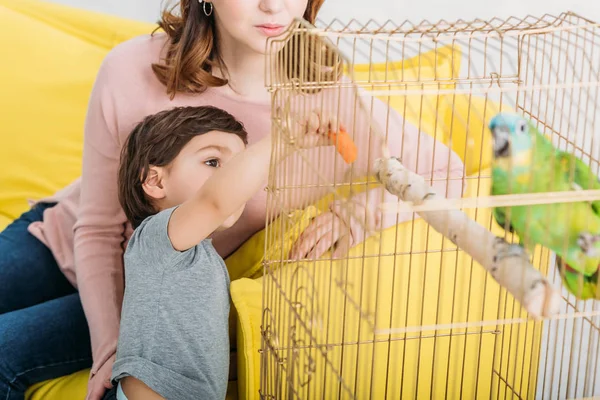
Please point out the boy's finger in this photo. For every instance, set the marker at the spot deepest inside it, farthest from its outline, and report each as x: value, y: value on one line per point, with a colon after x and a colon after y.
x: 313, y: 122
x: 333, y: 124
x: 324, y: 124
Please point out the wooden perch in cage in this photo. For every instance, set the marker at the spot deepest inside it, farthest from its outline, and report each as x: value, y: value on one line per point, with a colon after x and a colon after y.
x: 508, y: 263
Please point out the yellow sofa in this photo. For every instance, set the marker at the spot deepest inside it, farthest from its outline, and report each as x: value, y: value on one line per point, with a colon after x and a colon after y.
x: 41, y: 120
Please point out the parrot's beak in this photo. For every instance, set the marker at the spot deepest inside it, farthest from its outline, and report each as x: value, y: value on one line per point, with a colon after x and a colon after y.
x: 501, y: 137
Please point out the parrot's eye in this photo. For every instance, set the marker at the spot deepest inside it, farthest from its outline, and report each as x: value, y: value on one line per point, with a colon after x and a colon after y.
x: 521, y: 127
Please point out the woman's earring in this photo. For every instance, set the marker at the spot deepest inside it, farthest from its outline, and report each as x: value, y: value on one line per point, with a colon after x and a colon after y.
x: 208, y: 11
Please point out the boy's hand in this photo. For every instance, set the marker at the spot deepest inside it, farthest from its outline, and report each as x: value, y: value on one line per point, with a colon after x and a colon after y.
x: 313, y: 130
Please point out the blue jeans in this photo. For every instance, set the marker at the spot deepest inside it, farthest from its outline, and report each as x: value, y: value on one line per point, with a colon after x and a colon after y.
x: 43, y: 330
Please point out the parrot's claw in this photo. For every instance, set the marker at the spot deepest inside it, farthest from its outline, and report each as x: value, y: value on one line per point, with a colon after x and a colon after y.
x: 587, y: 241
x: 511, y: 250
x: 542, y: 300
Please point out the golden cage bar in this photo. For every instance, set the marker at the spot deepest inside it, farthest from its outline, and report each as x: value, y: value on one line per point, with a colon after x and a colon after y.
x: 323, y: 318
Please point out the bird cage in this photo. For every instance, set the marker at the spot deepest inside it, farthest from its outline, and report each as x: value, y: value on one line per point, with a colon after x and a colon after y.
x: 413, y: 309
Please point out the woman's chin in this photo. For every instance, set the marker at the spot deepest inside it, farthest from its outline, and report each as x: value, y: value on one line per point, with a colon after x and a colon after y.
x: 258, y: 44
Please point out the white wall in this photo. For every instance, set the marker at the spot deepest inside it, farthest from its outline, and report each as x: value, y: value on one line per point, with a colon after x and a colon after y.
x: 398, y: 10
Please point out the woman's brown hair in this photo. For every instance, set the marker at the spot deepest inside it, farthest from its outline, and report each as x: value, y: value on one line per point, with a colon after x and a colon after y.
x: 192, y: 48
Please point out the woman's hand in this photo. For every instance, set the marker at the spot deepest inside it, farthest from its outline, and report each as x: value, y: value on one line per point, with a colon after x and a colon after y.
x: 339, y: 230
x: 100, y: 383
x: 324, y: 233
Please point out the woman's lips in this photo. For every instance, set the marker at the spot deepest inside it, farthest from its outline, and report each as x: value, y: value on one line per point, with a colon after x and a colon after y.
x: 270, y: 29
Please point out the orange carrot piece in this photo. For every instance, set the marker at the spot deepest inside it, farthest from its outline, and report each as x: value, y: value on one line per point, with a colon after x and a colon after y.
x: 344, y: 144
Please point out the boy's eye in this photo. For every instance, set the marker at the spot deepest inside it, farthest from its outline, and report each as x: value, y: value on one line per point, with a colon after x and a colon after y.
x: 214, y: 163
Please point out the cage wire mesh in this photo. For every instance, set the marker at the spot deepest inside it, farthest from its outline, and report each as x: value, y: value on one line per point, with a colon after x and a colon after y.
x: 405, y: 313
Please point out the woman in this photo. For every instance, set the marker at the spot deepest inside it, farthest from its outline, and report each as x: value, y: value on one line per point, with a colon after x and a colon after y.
x: 61, y: 267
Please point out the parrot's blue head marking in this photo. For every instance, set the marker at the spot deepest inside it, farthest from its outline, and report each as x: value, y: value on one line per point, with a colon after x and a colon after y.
x: 511, y: 134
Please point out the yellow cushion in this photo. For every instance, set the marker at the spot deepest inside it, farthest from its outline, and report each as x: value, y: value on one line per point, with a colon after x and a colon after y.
x: 246, y: 295
x: 73, y: 386
x: 43, y: 112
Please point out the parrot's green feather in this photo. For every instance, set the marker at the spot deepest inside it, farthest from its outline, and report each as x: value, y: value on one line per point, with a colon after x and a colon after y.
x: 581, y: 285
x: 500, y: 217
x: 582, y: 175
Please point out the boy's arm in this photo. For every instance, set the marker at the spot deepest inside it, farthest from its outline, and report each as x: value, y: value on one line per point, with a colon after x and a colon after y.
x: 134, y: 389
x: 232, y: 185
x: 225, y: 192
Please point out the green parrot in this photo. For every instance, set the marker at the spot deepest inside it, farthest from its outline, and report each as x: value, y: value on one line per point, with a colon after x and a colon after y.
x: 525, y: 161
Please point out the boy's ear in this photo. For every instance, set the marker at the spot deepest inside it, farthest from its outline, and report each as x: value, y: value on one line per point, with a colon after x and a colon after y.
x: 153, y: 185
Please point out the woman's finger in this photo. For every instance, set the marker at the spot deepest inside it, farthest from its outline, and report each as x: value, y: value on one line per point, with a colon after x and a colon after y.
x: 326, y: 236
x: 318, y: 223
x: 308, y: 238
x: 324, y: 243
x: 302, y: 246
x: 342, y: 246
x: 96, y: 393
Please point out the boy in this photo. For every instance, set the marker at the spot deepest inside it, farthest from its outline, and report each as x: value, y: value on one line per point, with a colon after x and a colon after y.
x: 185, y: 173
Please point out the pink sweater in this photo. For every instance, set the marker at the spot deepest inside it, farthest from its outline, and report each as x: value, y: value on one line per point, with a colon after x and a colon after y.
x: 87, y: 231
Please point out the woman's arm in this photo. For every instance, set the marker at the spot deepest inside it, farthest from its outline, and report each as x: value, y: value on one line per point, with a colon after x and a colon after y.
x: 418, y: 151
x: 99, y: 233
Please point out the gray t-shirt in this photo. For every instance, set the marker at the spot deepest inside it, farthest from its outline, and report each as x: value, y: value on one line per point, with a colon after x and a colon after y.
x: 174, y: 333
